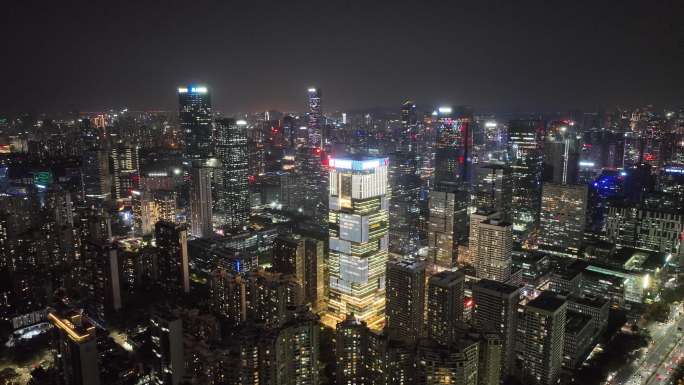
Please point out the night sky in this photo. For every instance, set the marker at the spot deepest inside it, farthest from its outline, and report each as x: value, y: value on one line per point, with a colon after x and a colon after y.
x: 496, y: 56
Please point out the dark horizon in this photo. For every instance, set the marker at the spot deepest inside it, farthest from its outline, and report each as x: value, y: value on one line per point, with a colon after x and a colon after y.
x: 264, y: 55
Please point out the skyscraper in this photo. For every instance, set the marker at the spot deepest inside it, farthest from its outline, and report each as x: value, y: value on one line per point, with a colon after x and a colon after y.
x: 77, y: 347
x: 201, y: 202
x: 495, y: 311
x: 125, y: 170
x: 405, y: 304
x: 315, y: 118
x: 231, y: 209
x: 194, y: 112
x: 450, y: 197
x: 525, y: 148
x: 563, y: 217
x: 404, y: 176
x: 492, y: 249
x: 493, y: 189
x: 107, y: 282
x: 358, y: 238
x: 444, y: 305
x: 541, y: 329
x: 172, y: 243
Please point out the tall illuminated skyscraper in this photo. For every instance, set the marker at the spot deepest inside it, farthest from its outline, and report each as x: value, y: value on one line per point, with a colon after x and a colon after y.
x: 194, y: 112
x: 315, y: 118
x: 231, y: 208
x: 358, y: 223
x: 525, y: 147
x: 449, y: 198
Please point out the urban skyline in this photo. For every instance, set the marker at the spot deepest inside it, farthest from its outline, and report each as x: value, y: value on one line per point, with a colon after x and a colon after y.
x: 513, y: 215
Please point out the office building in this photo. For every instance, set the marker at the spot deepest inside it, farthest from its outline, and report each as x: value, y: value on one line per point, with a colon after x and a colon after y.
x: 315, y: 121
x: 525, y: 152
x: 201, y: 203
x: 358, y: 238
x: 195, y: 116
x: 231, y: 201
x: 495, y: 311
x: 450, y: 196
x: 405, y: 303
x: 172, y: 244
x: 541, y: 329
x: 492, y: 249
x: 78, y: 361
x: 563, y: 217
x: 166, y: 335
x: 579, y: 334
x: 405, y: 205
x: 444, y: 305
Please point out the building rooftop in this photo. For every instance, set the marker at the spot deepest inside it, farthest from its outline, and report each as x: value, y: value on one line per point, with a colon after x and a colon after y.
x: 77, y: 326
x: 446, y: 278
x: 576, y: 322
x: 547, y: 301
x: 496, y: 286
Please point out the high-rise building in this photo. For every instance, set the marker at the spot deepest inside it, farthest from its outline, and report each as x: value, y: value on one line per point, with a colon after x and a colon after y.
x: 563, y: 217
x: 296, y: 350
x: 453, y: 364
x: 166, y: 334
x: 444, y: 305
x: 495, y: 311
x: 405, y: 303
x: 561, y: 153
x: 492, y: 250
x: 541, y: 330
x: 302, y: 258
x: 231, y: 202
x: 525, y: 147
x: 493, y: 189
x: 227, y: 296
x: 404, y: 177
x: 172, y: 244
x: 125, y: 170
x: 441, y: 229
x: 201, y: 202
x: 449, y: 198
x: 194, y: 110
x: 353, y: 352
x: 107, y: 278
x: 358, y: 238
x: 77, y: 347
x: 95, y: 174
x: 315, y: 121
x: 314, y: 273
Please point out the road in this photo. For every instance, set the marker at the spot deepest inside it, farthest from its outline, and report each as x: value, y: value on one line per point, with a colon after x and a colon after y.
x: 656, y: 364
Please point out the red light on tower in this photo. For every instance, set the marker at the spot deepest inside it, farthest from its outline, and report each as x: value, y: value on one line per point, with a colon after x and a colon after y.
x: 317, y: 151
